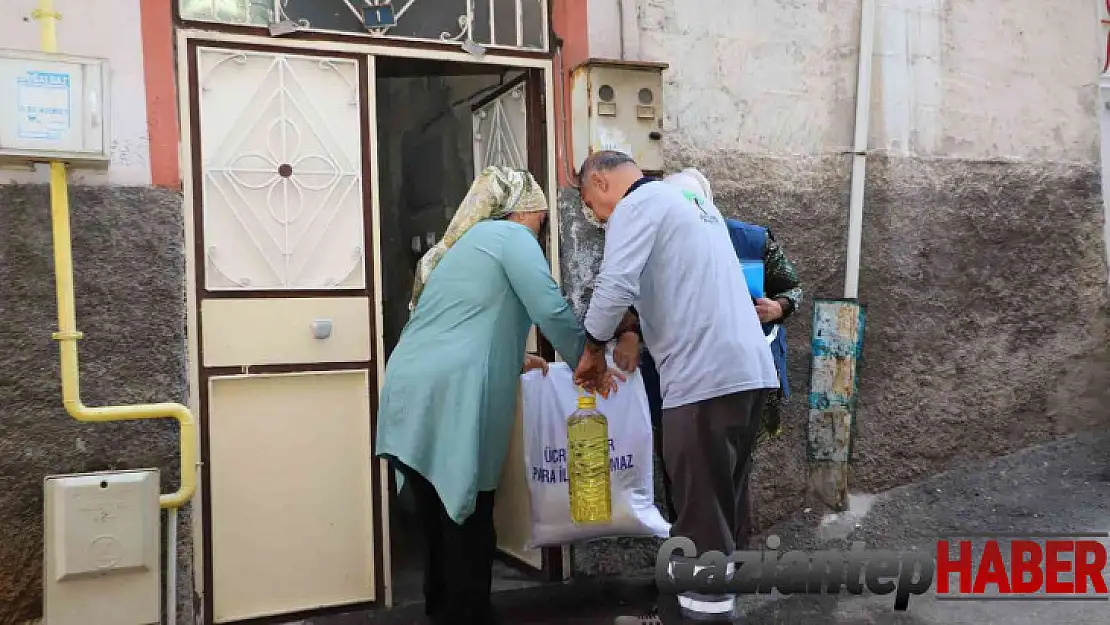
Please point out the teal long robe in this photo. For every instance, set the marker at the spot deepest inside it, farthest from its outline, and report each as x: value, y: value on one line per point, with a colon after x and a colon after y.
x: 449, y: 398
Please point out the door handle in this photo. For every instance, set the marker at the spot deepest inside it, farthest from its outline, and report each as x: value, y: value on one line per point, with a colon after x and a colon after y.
x: 321, y: 328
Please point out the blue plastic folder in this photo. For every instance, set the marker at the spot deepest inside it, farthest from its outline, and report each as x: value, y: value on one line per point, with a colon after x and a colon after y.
x: 753, y: 275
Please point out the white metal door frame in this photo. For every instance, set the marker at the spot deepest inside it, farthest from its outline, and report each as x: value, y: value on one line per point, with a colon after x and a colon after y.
x: 368, y: 51
x: 296, y: 118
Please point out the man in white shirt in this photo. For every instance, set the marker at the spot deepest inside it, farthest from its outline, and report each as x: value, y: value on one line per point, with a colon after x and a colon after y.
x: 675, y: 263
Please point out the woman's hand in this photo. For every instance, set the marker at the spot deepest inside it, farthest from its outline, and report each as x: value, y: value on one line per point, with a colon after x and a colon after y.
x: 532, y: 361
x: 627, y: 352
x: 591, y: 368
x: 594, y: 375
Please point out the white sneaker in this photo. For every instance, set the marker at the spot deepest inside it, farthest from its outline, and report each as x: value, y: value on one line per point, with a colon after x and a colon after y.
x: 642, y: 619
x: 714, y: 608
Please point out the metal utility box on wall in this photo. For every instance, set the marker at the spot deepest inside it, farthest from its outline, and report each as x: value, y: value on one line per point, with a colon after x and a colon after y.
x: 102, y: 552
x: 617, y: 105
x: 53, y: 107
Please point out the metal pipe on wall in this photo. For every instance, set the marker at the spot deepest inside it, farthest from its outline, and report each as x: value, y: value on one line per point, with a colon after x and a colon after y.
x: 836, y: 344
x: 67, y: 337
x: 627, y: 30
x: 620, y: 27
x: 67, y: 334
x: 171, y: 566
x: 859, y: 149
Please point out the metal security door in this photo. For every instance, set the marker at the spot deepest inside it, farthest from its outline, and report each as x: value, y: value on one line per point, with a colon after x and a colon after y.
x: 500, y: 133
x: 501, y: 128
x: 285, y: 324
x: 508, y: 131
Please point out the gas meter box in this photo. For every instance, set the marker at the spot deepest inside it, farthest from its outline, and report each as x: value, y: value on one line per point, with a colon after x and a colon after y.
x: 617, y: 105
x: 53, y: 107
x: 102, y: 555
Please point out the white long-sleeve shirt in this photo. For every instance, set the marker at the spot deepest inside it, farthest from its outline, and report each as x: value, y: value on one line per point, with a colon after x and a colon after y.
x: 675, y: 263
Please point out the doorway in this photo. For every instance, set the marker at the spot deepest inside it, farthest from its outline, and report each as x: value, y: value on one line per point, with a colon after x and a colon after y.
x: 287, y: 144
x: 438, y: 124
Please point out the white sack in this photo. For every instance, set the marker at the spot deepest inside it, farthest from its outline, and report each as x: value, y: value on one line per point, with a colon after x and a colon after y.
x: 547, y: 402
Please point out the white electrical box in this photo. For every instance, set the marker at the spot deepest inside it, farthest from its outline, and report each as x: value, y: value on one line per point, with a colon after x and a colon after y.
x: 54, y: 107
x: 618, y: 105
x: 102, y: 549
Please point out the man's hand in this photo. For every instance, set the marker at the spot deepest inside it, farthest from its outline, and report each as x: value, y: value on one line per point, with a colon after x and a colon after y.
x: 532, y: 361
x: 629, y: 323
x: 627, y: 352
x: 768, y: 310
x: 609, y: 382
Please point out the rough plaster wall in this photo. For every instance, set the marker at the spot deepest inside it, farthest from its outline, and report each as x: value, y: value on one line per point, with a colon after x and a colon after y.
x: 1017, y: 79
x: 986, y: 291
x: 968, y: 351
x: 129, y: 270
x: 959, y: 78
x: 106, y: 30
x: 1104, y: 153
x: 968, y: 348
x: 760, y: 77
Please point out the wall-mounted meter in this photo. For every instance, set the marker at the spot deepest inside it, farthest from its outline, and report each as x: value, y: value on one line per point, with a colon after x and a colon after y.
x: 618, y: 105
x: 53, y: 107
x: 102, y: 554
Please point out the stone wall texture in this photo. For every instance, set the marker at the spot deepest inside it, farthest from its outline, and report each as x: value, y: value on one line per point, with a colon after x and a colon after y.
x: 985, y: 284
x: 130, y: 286
x: 986, y: 292
x: 951, y: 78
x: 984, y: 260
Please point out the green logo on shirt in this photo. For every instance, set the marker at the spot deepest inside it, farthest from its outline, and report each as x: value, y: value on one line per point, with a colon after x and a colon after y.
x: 697, y: 200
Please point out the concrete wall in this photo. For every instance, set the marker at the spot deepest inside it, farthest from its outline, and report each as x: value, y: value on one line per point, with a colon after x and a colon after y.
x: 129, y: 262
x: 106, y: 30
x: 952, y: 78
x: 983, y: 215
x: 129, y: 269
x: 1104, y: 152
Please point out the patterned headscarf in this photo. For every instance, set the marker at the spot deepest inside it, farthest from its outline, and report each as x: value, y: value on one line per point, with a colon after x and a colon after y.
x: 495, y: 194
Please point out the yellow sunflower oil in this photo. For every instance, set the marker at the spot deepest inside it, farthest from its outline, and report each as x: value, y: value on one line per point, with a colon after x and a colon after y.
x: 588, y: 463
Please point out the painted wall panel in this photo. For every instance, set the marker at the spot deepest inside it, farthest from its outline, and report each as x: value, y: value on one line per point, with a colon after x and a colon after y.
x: 108, y: 30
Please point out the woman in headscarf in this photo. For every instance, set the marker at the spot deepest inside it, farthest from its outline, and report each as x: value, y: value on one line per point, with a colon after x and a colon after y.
x: 450, y: 392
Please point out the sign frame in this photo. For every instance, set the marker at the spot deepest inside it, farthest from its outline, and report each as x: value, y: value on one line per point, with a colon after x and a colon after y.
x: 96, y: 157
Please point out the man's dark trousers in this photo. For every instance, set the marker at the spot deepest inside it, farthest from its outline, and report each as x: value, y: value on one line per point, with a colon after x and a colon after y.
x: 650, y: 376
x: 707, y: 449
x: 742, y: 524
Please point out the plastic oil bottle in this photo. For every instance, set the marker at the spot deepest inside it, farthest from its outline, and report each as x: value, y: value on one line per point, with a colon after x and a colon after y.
x: 588, y: 463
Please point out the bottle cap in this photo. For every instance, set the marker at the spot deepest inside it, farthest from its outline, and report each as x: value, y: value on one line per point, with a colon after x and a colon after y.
x: 587, y: 402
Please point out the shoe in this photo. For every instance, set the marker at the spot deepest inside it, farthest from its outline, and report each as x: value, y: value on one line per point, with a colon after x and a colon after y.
x: 708, y: 608
x: 651, y: 618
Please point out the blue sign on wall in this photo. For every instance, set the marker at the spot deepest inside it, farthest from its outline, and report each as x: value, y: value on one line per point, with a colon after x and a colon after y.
x: 379, y: 16
x: 44, y: 101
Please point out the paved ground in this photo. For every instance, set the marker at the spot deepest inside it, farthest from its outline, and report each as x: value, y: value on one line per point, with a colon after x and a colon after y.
x: 1060, y: 487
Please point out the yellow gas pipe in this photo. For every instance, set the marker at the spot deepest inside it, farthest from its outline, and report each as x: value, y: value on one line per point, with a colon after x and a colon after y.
x: 67, y: 334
